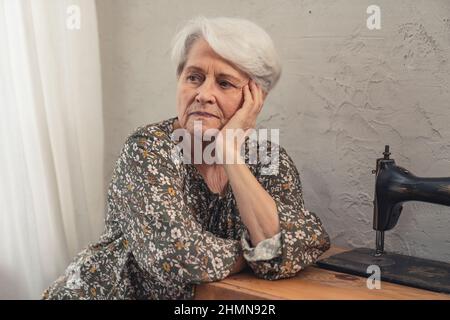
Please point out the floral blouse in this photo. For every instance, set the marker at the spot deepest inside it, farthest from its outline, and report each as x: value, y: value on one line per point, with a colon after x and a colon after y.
x: 165, y: 231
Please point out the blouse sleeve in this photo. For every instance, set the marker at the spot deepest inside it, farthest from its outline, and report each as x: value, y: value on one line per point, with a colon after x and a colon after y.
x: 303, y: 237
x: 158, y: 226
x: 264, y: 250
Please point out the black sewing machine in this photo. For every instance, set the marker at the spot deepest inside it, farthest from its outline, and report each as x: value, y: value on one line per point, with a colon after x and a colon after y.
x: 393, y: 186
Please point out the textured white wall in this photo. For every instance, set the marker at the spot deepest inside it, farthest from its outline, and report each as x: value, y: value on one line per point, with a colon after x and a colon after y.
x: 345, y: 92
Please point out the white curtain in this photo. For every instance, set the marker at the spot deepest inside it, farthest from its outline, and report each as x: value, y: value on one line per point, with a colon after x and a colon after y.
x: 51, y: 140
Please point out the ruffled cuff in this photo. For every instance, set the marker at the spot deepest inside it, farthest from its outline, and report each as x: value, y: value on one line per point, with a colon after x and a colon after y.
x: 265, y: 250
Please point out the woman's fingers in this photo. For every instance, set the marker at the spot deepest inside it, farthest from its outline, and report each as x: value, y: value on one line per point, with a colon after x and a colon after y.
x: 251, y: 107
x: 256, y: 95
x: 248, y: 98
x: 253, y: 95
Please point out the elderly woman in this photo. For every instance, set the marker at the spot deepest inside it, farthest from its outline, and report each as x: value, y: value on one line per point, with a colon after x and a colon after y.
x: 172, y: 224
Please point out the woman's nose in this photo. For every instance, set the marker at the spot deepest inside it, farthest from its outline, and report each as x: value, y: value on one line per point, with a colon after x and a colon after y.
x: 205, y: 92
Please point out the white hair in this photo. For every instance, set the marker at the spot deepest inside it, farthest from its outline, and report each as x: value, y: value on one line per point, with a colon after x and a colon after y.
x: 241, y: 42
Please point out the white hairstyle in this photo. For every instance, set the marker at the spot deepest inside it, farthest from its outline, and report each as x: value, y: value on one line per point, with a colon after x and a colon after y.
x: 241, y: 42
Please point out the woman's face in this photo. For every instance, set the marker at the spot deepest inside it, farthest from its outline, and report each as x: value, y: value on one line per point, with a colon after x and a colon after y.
x: 209, y: 89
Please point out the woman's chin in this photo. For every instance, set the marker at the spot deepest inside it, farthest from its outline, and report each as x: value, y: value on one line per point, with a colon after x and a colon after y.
x: 203, y: 125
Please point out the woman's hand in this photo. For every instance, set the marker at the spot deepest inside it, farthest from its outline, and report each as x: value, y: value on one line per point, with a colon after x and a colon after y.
x: 241, y: 123
x: 245, y: 116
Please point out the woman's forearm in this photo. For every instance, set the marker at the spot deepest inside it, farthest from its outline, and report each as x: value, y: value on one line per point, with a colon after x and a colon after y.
x: 257, y: 209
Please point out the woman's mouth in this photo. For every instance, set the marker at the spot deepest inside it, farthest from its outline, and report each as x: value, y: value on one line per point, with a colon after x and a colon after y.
x: 203, y: 114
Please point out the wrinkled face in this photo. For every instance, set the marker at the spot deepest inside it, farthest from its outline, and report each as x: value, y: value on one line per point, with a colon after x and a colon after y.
x: 209, y: 89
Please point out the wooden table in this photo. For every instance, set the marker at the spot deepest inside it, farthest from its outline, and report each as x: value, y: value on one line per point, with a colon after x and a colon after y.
x: 310, y: 283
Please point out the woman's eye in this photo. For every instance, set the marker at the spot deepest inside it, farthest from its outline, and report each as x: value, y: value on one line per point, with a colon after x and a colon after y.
x: 225, y: 84
x: 193, y: 78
